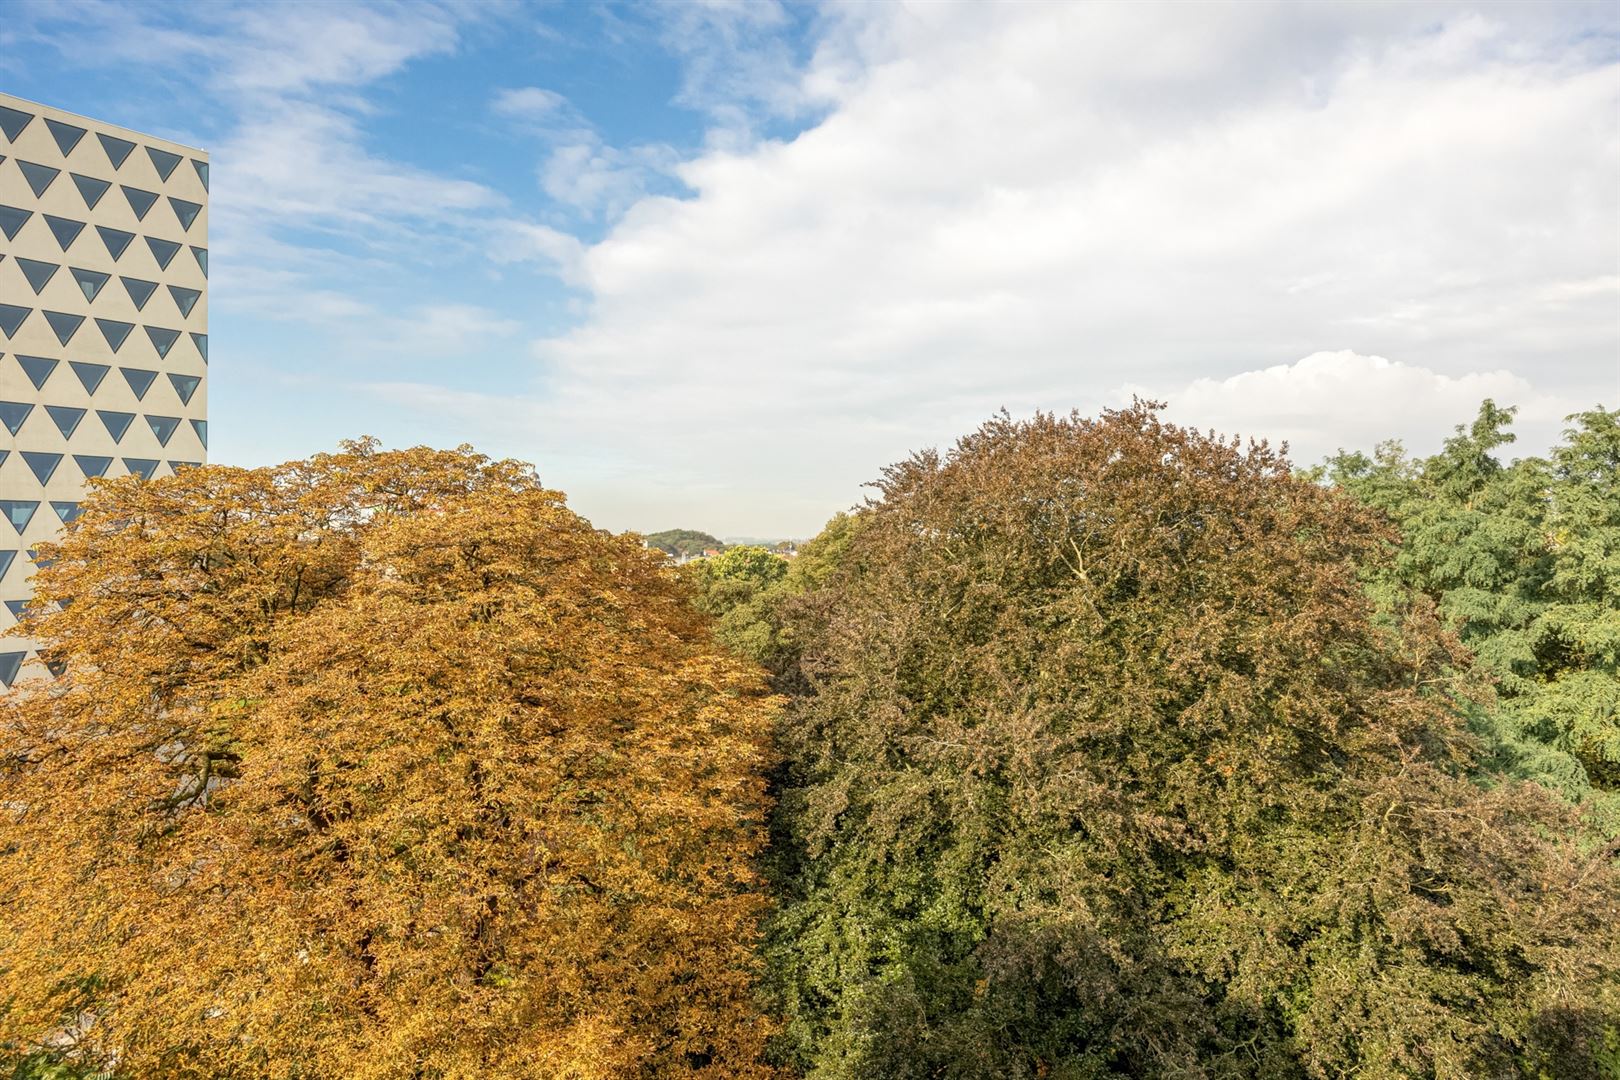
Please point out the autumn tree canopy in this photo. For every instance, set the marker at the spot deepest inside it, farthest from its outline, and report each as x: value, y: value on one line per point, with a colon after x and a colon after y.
x: 1101, y: 762
x: 381, y: 764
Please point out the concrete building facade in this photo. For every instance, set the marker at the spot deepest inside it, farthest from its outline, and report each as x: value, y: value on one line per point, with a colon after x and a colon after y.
x: 103, y: 326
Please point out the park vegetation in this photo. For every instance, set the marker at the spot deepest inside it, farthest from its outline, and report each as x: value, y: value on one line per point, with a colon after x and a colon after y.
x: 1098, y: 747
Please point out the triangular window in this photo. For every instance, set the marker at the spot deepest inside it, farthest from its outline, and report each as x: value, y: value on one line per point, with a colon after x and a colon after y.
x: 185, y: 299
x: 139, y: 379
x: 201, y: 341
x: 116, y: 423
x: 201, y: 255
x: 11, y: 317
x: 66, y: 418
x: 13, y: 413
x: 39, y: 177
x: 90, y: 281
x: 142, y: 467
x: 117, y: 240
x: 139, y: 289
x: 163, y: 251
x: 139, y: 201
x: 37, y: 368
x: 66, y: 230
x: 92, y: 465
x: 163, y: 427
x: 114, y: 331
x: 13, y: 218
x: 117, y: 149
x: 37, y: 273
x: 43, y: 465
x: 67, y: 511
x: 43, y: 564
x: 185, y: 386
x: 10, y: 662
x: 56, y: 667
x: 201, y: 428
x: 202, y: 171
x: 90, y: 375
x: 9, y: 557
x: 66, y: 135
x: 90, y: 189
x: 12, y: 121
x: 19, y: 512
x: 64, y: 324
x: 163, y: 161
x: 16, y: 607
x: 186, y: 211
x: 162, y: 340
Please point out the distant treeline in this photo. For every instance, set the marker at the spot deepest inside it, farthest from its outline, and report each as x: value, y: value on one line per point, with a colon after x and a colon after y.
x: 1089, y: 747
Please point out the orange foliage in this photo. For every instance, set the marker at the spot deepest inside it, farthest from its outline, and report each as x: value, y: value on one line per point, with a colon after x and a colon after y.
x: 383, y: 764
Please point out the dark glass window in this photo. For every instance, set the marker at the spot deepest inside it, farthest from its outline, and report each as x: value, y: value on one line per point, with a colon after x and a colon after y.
x: 37, y: 368
x: 139, y: 379
x: 11, y: 662
x: 13, y: 413
x: 90, y: 189
x: 163, y: 251
x: 66, y: 230
x: 142, y: 467
x: 66, y: 135
x: 162, y: 340
x: 116, y: 423
x: 139, y: 289
x: 19, y: 512
x: 43, y: 465
x: 202, y: 171
x: 90, y: 375
x: 33, y: 557
x: 185, y: 386
x: 16, y: 607
x: 163, y: 427
x: 185, y: 299
x: 114, y: 331
x: 64, y: 324
x: 90, y: 281
x: 92, y: 465
x: 139, y: 201
x: 115, y: 239
x: 163, y: 161
x: 201, y: 428
x: 201, y: 341
x: 11, y: 317
x: 117, y: 149
x: 12, y: 219
x: 201, y: 255
x: 9, y: 557
x: 186, y: 211
x: 67, y: 511
x: 12, y: 121
x: 66, y: 418
x: 37, y: 273
x: 39, y: 177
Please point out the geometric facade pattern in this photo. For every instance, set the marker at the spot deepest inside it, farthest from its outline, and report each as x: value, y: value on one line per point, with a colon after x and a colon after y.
x: 103, y: 325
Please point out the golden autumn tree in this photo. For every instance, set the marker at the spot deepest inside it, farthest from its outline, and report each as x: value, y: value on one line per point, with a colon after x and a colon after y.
x: 381, y: 764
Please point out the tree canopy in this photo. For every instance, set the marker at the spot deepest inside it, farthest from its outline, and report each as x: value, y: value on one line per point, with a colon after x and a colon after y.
x: 684, y: 542
x: 381, y: 764
x: 1101, y: 762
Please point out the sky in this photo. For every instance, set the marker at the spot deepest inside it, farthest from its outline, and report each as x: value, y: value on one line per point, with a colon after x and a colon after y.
x: 714, y: 264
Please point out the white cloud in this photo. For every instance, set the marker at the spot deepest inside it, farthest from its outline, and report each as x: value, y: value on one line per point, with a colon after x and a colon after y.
x: 528, y: 102
x: 1030, y: 206
x: 1342, y: 400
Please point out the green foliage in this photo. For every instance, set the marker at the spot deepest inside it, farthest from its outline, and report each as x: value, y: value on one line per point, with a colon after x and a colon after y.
x: 1100, y: 763
x: 683, y: 542
x: 1523, y: 563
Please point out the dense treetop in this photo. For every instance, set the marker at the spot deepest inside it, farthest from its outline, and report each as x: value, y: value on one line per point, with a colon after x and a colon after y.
x: 683, y: 542
x: 377, y: 765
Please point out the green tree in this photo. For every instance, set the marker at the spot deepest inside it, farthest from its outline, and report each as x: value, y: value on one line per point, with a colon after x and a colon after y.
x: 683, y: 542
x: 1100, y: 763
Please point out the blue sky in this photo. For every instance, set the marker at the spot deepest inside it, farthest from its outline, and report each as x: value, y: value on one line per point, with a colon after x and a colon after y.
x: 714, y: 264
